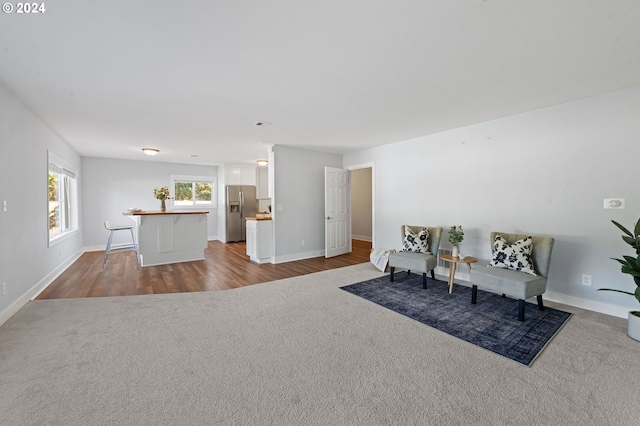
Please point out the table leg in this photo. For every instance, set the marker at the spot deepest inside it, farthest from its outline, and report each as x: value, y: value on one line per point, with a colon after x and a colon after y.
x: 469, y: 266
x: 452, y: 273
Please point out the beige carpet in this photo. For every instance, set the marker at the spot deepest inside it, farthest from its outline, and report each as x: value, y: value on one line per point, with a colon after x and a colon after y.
x: 297, y: 352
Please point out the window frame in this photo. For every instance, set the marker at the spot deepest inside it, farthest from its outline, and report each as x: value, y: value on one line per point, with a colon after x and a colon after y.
x: 69, y: 199
x: 195, y: 179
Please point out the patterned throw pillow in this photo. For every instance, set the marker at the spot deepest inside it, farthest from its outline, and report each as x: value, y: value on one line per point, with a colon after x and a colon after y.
x: 516, y: 256
x: 416, y: 243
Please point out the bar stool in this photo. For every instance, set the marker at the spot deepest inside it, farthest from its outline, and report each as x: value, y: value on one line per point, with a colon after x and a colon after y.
x: 114, y: 228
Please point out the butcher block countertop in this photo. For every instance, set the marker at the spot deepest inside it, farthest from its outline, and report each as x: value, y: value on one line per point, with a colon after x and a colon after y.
x: 158, y: 212
x: 258, y: 218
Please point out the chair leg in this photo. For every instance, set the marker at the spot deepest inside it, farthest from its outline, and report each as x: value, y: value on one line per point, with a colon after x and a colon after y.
x: 520, y: 309
x: 408, y: 272
x: 474, y: 294
x: 392, y: 270
x: 540, y: 304
x: 433, y: 275
x: 424, y: 280
x: 106, y: 252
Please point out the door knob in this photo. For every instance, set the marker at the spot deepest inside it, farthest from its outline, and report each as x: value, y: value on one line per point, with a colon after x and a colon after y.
x: 329, y: 218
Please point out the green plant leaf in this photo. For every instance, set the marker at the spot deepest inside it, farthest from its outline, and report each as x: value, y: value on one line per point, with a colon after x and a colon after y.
x: 623, y: 229
x: 617, y: 291
x: 631, y: 262
x: 627, y: 270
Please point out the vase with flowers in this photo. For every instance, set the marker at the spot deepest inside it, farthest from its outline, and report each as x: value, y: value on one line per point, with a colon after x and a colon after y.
x: 163, y: 195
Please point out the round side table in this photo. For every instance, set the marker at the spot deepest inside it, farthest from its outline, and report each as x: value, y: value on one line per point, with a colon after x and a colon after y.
x: 454, y: 261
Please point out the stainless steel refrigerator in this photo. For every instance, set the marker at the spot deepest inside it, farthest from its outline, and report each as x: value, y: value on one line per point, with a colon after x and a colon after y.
x: 241, y: 203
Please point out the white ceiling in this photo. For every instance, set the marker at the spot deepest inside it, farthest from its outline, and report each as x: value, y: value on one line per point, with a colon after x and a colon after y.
x: 193, y: 77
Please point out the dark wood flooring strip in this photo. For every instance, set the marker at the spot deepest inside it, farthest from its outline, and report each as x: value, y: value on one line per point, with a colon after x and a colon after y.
x: 226, y: 266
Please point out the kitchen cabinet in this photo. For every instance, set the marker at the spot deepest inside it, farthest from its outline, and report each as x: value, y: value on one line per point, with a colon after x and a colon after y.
x: 240, y: 175
x: 259, y: 240
x: 263, y: 183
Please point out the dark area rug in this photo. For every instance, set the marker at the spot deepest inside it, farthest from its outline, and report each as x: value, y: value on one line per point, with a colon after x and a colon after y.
x: 491, y: 324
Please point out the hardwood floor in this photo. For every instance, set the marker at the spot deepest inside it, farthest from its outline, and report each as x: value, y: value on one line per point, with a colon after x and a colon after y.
x: 225, y: 266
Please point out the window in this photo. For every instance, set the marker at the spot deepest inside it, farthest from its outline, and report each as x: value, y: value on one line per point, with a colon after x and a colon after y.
x: 62, y: 212
x: 194, y: 191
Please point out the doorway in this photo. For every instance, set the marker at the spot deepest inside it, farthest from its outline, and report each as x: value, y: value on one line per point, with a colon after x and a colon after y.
x: 362, y: 202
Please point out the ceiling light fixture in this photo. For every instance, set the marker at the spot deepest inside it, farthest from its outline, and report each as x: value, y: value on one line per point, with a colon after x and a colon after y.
x: 150, y: 151
x: 262, y: 162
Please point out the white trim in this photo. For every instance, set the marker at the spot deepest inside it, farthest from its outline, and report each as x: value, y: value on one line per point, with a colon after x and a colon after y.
x: 442, y: 274
x: 590, y: 305
x: 213, y: 180
x: 34, y: 291
x: 62, y: 163
x: 58, y: 238
x: 62, y: 167
x: 361, y: 238
x: 576, y: 302
x: 298, y: 256
x: 371, y: 165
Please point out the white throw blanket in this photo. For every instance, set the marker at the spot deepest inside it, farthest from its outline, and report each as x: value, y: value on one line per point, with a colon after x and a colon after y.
x: 380, y: 258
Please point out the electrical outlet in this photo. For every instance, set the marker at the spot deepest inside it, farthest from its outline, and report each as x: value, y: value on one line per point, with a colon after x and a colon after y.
x: 4, y: 288
x: 303, y: 242
x: 586, y: 280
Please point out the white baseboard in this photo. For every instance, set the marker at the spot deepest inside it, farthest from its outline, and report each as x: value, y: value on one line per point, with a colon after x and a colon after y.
x: 443, y: 273
x: 34, y: 291
x: 460, y: 275
x: 298, y: 256
x: 361, y: 238
x: 576, y: 302
x: 590, y: 305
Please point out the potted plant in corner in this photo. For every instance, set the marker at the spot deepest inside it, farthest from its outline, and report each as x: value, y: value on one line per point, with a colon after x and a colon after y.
x: 631, y: 266
x: 456, y: 235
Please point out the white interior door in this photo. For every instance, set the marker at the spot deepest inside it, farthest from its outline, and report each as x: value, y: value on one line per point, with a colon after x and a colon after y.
x: 337, y: 212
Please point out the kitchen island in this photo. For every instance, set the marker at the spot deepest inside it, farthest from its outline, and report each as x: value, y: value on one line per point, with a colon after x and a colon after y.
x: 170, y: 236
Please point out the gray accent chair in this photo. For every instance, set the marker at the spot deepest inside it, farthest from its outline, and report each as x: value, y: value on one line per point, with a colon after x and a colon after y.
x: 420, y: 262
x: 516, y: 284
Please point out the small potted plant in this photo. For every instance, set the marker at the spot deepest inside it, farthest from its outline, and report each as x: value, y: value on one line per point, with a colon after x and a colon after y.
x: 631, y: 266
x: 456, y: 235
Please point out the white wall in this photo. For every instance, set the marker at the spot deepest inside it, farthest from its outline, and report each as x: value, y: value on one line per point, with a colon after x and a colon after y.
x: 299, y: 190
x: 111, y: 186
x: 544, y: 172
x: 26, y: 263
x: 361, y: 204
